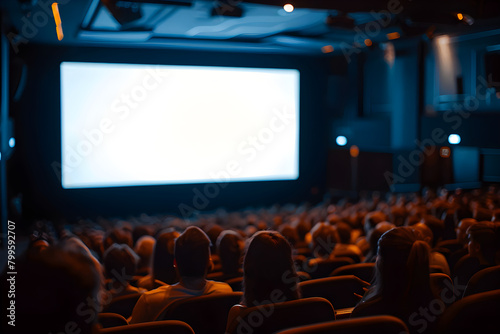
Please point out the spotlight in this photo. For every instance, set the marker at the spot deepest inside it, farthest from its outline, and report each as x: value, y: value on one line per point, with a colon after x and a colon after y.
x: 327, y: 49
x: 12, y: 142
x: 454, y: 139
x: 354, y: 151
x: 341, y: 140
x: 288, y: 8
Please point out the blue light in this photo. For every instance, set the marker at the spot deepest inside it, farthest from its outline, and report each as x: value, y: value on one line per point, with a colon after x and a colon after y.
x: 341, y: 140
x: 454, y: 139
x: 12, y: 142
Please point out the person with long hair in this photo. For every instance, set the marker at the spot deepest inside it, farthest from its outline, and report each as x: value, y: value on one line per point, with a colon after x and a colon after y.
x: 402, y: 283
x: 269, y: 274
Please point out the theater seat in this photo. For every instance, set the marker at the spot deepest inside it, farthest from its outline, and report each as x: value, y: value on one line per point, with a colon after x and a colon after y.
x: 154, y: 327
x: 484, y: 280
x: 205, y: 314
x: 478, y: 313
x: 267, y: 319
x: 364, y: 271
x: 382, y: 324
x: 122, y: 305
x: 338, y: 290
x: 236, y: 283
x: 440, y: 282
x: 323, y: 268
x: 107, y: 320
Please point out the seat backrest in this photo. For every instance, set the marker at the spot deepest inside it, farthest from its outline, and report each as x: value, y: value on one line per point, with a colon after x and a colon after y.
x: 271, y: 318
x: 153, y: 327
x: 381, y: 324
x: 478, y: 313
x: 323, y: 268
x: 236, y: 283
x: 107, y: 320
x: 205, y: 314
x: 440, y: 282
x: 451, y: 245
x: 122, y: 305
x: 364, y: 271
x: 338, y: 290
x: 484, y: 280
x: 465, y: 268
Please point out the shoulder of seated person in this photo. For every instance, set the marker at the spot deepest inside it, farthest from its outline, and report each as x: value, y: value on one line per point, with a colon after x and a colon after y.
x: 160, y: 289
x: 220, y: 284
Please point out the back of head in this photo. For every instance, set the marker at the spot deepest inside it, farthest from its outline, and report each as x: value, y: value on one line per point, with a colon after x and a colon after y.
x: 229, y: 247
x: 144, y: 249
x: 213, y: 231
x: 324, y: 238
x: 376, y: 233
x: 425, y: 231
x: 344, y: 232
x: 55, y: 293
x: 192, y: 253
x: 163, y: 257
x: 463, y: 226
x: 117, y: 236
x: 437, y: 227
x: 372, y: 219
x: 120, y: 263
x: 484, y: 241
x: 289, y: 233
x: 403, y: 266
x: 269, y: 270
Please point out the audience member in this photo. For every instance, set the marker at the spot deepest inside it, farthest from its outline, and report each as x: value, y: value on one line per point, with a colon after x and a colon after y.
x: 402, y: 284
x: 192, y: 259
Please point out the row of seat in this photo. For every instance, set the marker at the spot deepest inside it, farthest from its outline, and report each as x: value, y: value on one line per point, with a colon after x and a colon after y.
x: 475, y: 313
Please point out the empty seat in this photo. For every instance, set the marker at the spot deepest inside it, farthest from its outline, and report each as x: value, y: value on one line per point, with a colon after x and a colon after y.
x: 364, y: 271
x: 324, y: 267
x: 381, y: 324
x: 340, y: 291
x: 122, y: 305
x: 484, y: 280
x: 271, y: 318
x: 154, y: 327
x: 205, y: 314
x: 107, y: 320
x: 478, y: 313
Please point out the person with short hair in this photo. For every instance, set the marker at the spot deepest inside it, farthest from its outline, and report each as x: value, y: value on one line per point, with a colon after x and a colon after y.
x: 192, y: 260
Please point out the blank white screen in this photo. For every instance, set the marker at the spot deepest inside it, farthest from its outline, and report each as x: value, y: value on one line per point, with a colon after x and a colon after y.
x: 129, y: 124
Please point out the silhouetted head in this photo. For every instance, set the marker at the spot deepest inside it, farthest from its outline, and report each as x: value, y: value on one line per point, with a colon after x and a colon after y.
x: 402, y: 267
x: 56, y: 292
x: 120, y: 263
x: 483, y: 242
x: 269, y: 270
x: 144, y: 249
x: 163, y: 257
x: 462, y: 228
x: 230, y: 247
x: 192, y: 253
x: 324, y: 237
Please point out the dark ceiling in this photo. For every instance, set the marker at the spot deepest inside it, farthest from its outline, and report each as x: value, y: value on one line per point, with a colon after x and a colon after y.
x: 313, y: 27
